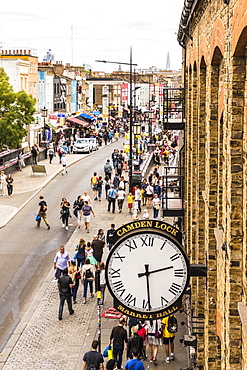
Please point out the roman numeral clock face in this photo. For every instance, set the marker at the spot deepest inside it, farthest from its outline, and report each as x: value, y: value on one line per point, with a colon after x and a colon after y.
x: 147, y: 272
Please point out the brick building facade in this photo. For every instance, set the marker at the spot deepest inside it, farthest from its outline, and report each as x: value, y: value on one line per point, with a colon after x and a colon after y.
x: 213, y: 35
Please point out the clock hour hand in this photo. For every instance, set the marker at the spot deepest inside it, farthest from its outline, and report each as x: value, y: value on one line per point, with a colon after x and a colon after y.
x: 151, y: 272
x: 147, y: 283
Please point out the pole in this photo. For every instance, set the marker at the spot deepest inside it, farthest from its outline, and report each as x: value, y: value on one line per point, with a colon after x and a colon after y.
x: 131, y: 127
x: 98, y: 308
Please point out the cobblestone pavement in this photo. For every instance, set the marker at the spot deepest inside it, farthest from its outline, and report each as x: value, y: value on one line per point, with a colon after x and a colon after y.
x: 41, y: 341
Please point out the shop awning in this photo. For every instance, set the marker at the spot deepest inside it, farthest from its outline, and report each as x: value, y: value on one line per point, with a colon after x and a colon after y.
x: 87, y: 117
x: 78, y: 121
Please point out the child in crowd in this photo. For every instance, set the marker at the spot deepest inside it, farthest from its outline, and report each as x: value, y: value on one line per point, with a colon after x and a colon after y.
x: 130, y: 200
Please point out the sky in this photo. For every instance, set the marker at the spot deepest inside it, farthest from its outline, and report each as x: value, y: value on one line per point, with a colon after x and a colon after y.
x: 80, y: 32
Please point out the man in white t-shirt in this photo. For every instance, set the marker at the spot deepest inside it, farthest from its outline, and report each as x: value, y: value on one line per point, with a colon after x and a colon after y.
x: 138, y: 198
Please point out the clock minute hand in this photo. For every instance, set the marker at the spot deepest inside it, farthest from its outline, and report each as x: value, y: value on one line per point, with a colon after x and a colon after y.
x: 151, y: 272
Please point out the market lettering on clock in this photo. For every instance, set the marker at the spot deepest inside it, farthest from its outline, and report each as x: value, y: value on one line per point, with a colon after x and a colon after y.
x: 147, y: 224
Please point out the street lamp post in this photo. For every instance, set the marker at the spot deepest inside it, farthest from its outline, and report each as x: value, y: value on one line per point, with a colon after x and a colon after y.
x: 151, y: 116
x: 130, y: 64
x: 44, y: 115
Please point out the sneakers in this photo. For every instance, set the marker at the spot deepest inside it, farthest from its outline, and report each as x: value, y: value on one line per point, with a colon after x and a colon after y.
x: 84, y: 301
x: 63, y: 225
x: 151, y: 359
x: 87, y: 230
x: 72, y: 312
x: 167, y: 360
x: 48, y: 227
x: 172, y: 357
x: 154, y: 359
x: 92, y: 295
x: 66, y: 228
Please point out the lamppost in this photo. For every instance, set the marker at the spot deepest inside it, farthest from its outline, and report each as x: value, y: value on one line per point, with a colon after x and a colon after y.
x: 151, y: 116
x: 44, y: 115
x: 136, y: 132
x: 130, y: 64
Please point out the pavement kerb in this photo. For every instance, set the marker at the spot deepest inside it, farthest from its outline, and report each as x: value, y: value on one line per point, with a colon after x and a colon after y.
x: 49, y: 179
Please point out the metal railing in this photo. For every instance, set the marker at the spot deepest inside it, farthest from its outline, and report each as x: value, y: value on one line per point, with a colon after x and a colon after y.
x: 172, y: 191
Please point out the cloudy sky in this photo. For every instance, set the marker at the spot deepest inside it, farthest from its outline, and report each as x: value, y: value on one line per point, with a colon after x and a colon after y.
x: 80, y: 32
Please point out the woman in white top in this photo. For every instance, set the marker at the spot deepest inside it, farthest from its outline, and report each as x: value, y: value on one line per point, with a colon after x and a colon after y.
x: 102, y: 282
x: 120, y: 199
x: 2, y: 182
x: 153, y: 342
x: 156, y: 205
x: 149, y: 194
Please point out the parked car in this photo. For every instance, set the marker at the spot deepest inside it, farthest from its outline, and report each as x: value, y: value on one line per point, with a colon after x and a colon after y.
x: 94, y: 143
x: 83, y: 145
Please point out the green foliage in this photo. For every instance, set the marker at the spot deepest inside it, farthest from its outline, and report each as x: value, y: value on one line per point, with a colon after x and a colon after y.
x: 16, y: 110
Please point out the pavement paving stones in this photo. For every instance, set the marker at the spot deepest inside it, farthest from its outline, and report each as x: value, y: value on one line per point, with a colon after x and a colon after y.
x: 41, y: 341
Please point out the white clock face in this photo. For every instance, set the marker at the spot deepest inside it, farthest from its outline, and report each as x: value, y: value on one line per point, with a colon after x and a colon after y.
x: 147, y: 272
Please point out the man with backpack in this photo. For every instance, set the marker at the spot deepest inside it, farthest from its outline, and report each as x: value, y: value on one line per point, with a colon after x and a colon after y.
x: 93, y: 360
x: 108, y: 168
x: 170, y: 326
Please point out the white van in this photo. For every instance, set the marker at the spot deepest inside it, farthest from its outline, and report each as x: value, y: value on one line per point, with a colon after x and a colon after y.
x: 83, y: 145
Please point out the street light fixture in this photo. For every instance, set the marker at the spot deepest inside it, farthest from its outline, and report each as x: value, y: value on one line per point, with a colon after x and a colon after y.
x: 44, y: 112
x: 130, y: 64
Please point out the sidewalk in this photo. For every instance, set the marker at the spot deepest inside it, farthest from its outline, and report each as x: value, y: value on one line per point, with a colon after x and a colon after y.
x: 26, y: 186
x: 41, y: 341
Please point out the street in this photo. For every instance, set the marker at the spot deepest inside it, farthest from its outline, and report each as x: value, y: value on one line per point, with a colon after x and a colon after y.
x: 27, y: 252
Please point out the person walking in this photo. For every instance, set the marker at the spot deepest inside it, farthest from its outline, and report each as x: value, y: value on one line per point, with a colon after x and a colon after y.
x: 77, y: 206
x: 112, y: 196
x: 21, y: 162
x: 135, y: 342
x: 10, y: 185
x: 42, y: 212
x: 99, y: 188
x: 64, y: 161
x: 65, y: 213
x: 86, y: 212
x: 98, y: 247
x: 108, y: 168
x: 93, y: 360
x: 80, y: 252
x: 86, y: 197
x: 130, y: 200
x: 156, y: 205
x: 35, y: 153
x: 75, y: 274
x: 110, y: 236
x: 168, y: 338
x: 94, y: 183
x: 107, y: 185
x: 153, y: 326
x: 138, y: 198
x: 61, y: 261
x: 134, y: 363
x: 88, y: 278
x: 101, y: 235
x: 120, y: 199
x: 2, y: 182
x: 51, y: 154
x: 102, y: 282
x: 118, y: 337
x: 64, y: 286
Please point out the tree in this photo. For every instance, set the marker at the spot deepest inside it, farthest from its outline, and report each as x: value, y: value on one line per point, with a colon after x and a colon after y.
x: 16, y: 111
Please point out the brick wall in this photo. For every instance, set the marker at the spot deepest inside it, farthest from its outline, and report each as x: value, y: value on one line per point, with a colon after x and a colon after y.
x: 216, y: 176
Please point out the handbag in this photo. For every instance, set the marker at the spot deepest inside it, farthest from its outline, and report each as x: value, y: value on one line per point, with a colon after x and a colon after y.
x: 37, y: 218
x: 157, y: 333
x: 156, y: 206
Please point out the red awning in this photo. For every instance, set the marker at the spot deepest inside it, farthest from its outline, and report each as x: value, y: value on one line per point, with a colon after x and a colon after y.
x: 78, y: 121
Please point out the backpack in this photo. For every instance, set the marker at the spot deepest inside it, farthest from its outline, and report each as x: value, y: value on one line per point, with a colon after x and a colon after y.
x: 107, y: 168
x: 142, y: 333
x: 88, y: 274
x: 94, y: 180
x: 172, y: 324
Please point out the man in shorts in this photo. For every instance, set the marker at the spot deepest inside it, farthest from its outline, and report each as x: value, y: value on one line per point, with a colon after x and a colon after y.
x: 86, y: 212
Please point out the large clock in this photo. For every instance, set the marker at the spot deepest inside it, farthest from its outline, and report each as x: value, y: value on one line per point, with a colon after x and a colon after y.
x: 147, y: 273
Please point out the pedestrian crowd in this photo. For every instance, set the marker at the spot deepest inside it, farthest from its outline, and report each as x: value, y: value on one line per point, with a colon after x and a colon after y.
x: 143, y: 336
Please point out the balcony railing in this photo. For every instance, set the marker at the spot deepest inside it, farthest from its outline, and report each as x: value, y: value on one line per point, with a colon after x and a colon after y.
x: 172, y: 200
